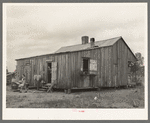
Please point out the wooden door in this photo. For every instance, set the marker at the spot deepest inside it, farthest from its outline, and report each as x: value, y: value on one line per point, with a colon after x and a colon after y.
x: 54, y: 72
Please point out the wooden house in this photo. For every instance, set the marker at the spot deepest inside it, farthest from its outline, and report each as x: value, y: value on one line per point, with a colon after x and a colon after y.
x: 91, y: 64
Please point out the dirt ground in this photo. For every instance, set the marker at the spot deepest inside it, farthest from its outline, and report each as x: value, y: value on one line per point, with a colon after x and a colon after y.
x: 105, y: 98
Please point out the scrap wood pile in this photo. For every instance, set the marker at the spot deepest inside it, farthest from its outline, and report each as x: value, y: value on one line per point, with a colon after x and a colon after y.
x: 47, y: 86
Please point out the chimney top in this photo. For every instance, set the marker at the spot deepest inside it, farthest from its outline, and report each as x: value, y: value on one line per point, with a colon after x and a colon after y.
x: 85, y: 39
x: 92, y: 42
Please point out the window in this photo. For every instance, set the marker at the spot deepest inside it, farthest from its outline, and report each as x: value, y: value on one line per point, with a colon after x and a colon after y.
x: 89, y: 66
x: 85, y: 64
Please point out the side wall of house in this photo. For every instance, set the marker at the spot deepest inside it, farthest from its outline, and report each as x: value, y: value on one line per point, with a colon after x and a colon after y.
x: 69, y: 68
x: 120, y: 63
x: 70, y: 73
x: 112, y: 67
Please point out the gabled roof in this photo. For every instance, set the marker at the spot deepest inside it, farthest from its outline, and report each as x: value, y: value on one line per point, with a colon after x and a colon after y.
x: 80, y: 47
x: 103, y: 43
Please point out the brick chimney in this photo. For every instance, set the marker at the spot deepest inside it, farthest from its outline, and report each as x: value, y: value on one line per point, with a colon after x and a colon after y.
x: 85, y: 39
x: 92, y: 42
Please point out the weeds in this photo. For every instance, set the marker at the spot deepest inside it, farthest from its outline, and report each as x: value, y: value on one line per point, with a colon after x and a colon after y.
x: 126, y: 98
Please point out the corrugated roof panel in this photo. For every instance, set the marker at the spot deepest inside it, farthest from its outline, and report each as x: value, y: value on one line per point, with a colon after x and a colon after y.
x: 103, y: 43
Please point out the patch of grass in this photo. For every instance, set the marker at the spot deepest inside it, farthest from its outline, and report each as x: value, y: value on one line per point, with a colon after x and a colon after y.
x: 122, y: 98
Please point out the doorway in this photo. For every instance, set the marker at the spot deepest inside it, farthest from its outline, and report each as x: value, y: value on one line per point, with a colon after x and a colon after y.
x: 49, y: 71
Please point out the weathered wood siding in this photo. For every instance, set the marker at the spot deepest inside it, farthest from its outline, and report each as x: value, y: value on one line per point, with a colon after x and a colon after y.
x: 121, y: 55
x: 112, y: 63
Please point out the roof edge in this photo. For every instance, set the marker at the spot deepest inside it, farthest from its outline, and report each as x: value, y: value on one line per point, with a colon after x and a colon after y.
x: 119, y: 37
x: 62, y: 53
x: 129, y: 48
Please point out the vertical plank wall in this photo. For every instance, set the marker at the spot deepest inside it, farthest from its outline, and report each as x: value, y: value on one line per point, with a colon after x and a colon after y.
x: 120, y: 63
x: 69, y: 66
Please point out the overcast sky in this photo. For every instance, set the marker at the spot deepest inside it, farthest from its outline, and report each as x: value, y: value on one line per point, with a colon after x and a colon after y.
x: 35, y: 29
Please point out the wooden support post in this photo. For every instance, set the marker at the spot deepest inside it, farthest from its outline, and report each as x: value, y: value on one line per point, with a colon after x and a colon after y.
x: 37, y: 84
x: 65, y: 91
x: 98, y: 89
x: 69, y: 91
x: 127, y: 86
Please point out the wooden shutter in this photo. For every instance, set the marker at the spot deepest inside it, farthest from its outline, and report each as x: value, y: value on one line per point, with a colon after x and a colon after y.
x: 54, y: 71
x: 93, y: 66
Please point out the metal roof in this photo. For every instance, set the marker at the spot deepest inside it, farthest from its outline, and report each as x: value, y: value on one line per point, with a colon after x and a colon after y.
x: 80, y: 47
x: 103, y: 43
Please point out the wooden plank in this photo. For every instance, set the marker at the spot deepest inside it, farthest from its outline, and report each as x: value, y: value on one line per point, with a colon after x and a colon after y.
x: 30, y: 71
x: 122, y: 61
x: 31, y: 83
x: 33, y: 71
x: 118, y: 61
x: 112, y: 71
x: 56, y: 60
x: 93, y: 57
x: 123, y: 72
x: 102, y: 66
x: 71, y: 74
x: 126, y: 65
x: 37, y: 66
x: 125, y: 80
x: 104, y: 76
x: 41, y: 66
x: 119, y: 65
x: 76, y: 68
x: 98, y: 67
x: 44, y: 70
x: 67, y: 71
x: 81, y: 66
x: 79, y: 69
x: 59, y: 71
x: 72, y: 70
x: 83, y: 77
x: 96, y: 77
x: 129, y: 55
x: 64, y: 70
x: 106, y: 66
x: 100, y: 61
x: 113, y: 65
x: 109, y: 66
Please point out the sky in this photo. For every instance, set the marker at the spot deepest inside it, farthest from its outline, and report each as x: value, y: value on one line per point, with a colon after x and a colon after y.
x: 37, y: 29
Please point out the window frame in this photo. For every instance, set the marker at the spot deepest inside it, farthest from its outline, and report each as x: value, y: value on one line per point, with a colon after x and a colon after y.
x: 83, y: 70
